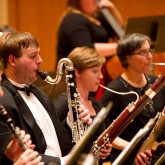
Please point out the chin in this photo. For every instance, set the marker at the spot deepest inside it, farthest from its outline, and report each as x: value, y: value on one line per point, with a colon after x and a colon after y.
x: 94, y: 90
x: 34, y: 79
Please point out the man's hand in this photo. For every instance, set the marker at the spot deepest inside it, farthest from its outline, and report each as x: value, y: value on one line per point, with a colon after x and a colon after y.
x: 29, y: 157
x: 14, y: 150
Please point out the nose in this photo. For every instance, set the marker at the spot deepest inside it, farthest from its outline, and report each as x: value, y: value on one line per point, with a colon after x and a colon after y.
x: 100, y: 76
x: 150, y: 55
x: 39, y: 60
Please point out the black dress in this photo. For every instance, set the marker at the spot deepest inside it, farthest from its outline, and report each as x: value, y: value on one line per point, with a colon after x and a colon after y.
x: 120, y: 102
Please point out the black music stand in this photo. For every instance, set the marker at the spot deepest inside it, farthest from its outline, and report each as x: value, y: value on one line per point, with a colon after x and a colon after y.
x: 152, y: 26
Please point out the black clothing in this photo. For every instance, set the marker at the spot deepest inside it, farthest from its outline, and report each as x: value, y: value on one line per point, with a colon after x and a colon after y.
x: 61, y: 105
x: 23, y: 118
x: 120, y: 102
x: 76, y: 30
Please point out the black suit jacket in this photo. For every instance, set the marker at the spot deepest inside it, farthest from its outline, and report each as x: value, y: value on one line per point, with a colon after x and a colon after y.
x: 23, y: 118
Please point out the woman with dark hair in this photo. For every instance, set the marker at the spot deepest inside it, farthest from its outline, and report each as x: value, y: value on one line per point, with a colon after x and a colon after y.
x: 135, y: 54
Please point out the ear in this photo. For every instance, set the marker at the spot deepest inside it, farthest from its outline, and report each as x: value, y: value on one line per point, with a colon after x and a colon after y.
x: 77, y: 73
x: 12, y: 60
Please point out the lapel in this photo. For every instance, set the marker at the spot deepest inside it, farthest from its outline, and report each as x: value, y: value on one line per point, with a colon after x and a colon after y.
x: 26, y: 114
x: 61, y: 131
x: 45, y: 101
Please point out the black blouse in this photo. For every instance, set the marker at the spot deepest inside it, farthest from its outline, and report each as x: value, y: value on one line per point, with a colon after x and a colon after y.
x: 61, y: 106
x: 76, y: 30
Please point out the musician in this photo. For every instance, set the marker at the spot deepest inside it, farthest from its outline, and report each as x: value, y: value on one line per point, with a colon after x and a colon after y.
x: 29, y: 107
x: 88, y: 64
x: 15, y: 152
x: 82, y: 24
x: 135, y: 54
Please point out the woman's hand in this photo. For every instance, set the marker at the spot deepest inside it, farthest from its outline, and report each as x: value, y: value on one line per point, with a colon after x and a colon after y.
x: 142, y: 158
x: 114, y: 11
x: 84, y: 114
x: 105, y: 151
x: 105, y: 3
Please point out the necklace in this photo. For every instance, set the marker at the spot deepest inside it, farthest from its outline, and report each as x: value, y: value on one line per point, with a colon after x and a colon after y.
x: 148, y: 109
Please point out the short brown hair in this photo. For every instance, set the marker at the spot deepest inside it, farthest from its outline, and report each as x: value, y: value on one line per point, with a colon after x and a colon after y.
x: 13, y: 43
x: 85, y: 57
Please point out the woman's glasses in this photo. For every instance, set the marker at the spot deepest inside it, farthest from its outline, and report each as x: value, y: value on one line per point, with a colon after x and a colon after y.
x: 145, y: 52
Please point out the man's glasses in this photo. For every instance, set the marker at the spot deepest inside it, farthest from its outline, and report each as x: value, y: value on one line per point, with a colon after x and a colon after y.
x: 145, y: 52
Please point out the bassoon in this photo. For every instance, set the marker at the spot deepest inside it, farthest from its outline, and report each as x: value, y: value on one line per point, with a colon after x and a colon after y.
x: 128, y: 114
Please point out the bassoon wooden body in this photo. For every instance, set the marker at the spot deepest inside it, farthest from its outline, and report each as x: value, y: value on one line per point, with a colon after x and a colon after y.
x: 128, y: 114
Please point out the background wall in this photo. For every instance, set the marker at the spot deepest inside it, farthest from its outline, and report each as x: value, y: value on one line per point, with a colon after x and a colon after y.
x: 41, y: 18
x: 3, y: 11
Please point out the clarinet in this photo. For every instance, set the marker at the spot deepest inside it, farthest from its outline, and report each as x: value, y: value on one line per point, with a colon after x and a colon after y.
x: 128, y: 114
x: 15, y: 130
x: 78, y: 127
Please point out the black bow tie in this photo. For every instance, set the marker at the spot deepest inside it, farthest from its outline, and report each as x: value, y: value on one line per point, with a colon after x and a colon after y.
x: 26, y: 89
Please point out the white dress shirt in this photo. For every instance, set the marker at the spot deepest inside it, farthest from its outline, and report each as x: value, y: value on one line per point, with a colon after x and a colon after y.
x: 43, y: 120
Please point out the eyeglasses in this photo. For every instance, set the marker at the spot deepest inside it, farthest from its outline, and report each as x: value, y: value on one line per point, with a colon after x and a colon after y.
x: 145, y: 52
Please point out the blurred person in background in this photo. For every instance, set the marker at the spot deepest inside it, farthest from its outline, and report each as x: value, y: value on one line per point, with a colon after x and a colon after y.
x: 82, y: 24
